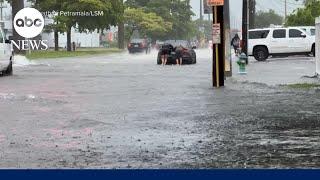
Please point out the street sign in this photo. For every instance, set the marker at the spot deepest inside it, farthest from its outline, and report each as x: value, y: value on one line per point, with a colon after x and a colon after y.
x: 216, y: 33
x: 215, y: 2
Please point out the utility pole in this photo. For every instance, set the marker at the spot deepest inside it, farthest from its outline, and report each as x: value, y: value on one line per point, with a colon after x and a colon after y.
x: 285, y: 10
x: 218, y: 34
x: 252, y: 13
x: 201, y: 14
x: 245, y: 26
x: 121, y: 31
x: 227, y: 38
x: 1, y: 13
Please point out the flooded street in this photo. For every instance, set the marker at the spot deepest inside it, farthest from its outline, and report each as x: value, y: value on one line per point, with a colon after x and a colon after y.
x: 122, y: 111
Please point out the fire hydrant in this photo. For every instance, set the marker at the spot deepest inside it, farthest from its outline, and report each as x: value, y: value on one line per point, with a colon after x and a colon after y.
x: 242, y: 63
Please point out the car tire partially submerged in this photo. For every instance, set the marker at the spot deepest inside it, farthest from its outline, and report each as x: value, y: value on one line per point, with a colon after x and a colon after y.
x: 188, y: 55
x: 9, y: 70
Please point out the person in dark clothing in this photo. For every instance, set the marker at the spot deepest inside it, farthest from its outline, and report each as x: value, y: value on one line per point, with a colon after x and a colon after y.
x: 179, y: 51
x: 235, y: 42
x: 165, y: 51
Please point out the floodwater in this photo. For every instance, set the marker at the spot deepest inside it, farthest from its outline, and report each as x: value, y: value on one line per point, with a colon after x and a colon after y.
x: 124, y: 111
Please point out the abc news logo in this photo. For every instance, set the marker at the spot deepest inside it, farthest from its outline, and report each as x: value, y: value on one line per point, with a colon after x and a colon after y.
x: 29, y: 23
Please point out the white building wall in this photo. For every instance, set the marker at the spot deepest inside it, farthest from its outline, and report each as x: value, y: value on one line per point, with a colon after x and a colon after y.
x: 91, y: 40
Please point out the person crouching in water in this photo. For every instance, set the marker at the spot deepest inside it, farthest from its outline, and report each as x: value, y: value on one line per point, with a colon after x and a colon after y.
x: 179, y: 51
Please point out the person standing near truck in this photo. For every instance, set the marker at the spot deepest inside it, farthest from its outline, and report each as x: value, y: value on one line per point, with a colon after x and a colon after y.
x: 235, y: 42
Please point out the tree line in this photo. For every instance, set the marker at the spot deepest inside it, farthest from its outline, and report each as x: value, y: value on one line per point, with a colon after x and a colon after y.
x: 159, y: 20
x: 306, y: 15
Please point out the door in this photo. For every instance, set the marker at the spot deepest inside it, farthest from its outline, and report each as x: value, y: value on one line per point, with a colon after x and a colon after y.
x: 298, y: 41
x: 279, y: 42
x: 4, y: 62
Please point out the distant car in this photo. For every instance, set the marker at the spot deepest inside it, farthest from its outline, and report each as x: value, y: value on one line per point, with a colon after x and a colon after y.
x: 137, y: 46
x: 6, y: 55
x: 189, y: 55
x: 279, y: 42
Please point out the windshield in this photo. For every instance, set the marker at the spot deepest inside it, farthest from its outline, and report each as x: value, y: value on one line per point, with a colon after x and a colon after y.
x: 178, y: 43
x: 137, y: 40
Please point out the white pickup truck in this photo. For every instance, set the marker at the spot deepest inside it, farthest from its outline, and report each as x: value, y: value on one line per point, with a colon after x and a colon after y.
x: 279, y: 41
x: 6, y: 55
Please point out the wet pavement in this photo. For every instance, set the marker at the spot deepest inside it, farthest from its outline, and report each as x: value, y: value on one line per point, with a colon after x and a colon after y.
x: 279, y: 71
x: 121, y: 111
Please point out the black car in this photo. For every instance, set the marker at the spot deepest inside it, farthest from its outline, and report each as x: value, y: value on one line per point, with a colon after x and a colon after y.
x: 188, y: 55
x: 137, y: 46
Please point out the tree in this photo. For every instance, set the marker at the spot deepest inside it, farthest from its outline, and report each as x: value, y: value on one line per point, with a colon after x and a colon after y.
x: 56, y: 27
x: 112, y: 14
x: 177, y: 12
x: 121, y: 30
x: 265, y: 19
x: 17, y: 5
x: 148, y: 24
x: 203, y: 29
x: 305, y: 16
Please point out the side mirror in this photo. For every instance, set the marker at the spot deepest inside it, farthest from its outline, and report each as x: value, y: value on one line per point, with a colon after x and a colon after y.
x: 194, y: 47
x: 303, y: 35
x: 7, y: 41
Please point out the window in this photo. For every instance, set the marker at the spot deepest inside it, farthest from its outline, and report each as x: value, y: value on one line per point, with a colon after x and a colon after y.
x: 258, y: 34
x: 294, y: 33
x: 279, y: 33
x: 1, y: 37
x: 312, y: 32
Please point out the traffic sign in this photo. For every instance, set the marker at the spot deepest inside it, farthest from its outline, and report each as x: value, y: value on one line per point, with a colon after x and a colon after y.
x: 215, y: 2
x: 216, y: 33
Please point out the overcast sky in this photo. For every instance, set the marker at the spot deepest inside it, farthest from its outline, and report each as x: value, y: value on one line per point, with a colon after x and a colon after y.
x: 236, y: 8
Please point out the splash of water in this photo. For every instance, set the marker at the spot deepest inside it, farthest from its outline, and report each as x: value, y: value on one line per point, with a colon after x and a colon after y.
x: 22, y: 61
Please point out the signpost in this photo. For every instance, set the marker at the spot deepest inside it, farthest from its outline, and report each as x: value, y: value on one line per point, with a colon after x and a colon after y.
x: 317, y: 46
x: 216, y: 34
x: 218, y: 66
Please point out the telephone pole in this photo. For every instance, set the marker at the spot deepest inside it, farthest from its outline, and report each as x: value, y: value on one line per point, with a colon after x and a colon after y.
x: 218, y: 65
x: 285, y: 10
x: 245, y: 26
x: 201, y: 14
x: 252, y: 13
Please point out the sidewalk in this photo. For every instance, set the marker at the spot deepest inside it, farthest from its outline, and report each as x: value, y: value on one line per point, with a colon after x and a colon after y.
x: 277, y: 71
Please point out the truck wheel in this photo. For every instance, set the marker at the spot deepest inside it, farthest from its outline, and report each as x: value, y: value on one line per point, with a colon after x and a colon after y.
x: 9, y: 70
x: 260, y: 53
x: 313, y: 51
